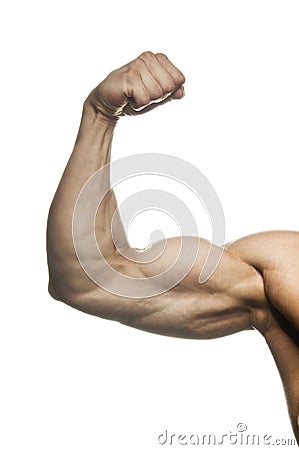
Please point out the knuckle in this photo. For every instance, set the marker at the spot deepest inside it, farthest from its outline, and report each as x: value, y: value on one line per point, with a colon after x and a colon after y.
x: 147, y: 55
x: 137, y: 65
x: 131, y: 73
x: 169, y: 86
x: 162, y: 56
x: 182, y: 78
x: 179, y: 79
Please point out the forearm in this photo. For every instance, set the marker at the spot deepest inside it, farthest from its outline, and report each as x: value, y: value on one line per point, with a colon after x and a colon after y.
x: 91, y: 152
x: 136, y: 85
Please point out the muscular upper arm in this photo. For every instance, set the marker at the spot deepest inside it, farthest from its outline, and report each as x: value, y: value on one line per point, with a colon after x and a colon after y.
x: 180, y: 306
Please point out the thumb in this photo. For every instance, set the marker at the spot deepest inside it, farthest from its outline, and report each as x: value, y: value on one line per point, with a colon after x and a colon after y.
x: 129, y: 110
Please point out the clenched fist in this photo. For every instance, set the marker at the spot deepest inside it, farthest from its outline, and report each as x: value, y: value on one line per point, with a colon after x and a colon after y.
x: 144, y: 82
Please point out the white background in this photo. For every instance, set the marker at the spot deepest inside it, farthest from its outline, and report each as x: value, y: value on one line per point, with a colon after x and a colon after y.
x: 71, y: 381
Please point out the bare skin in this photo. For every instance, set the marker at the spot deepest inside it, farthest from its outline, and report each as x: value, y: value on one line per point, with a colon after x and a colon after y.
x: 255, y: 285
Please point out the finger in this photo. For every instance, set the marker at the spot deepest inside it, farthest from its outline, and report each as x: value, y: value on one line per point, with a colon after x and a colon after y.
x: 179, y: 93
x: 175, y: 73
x: 128, y: 110
x: 159, y: 73
x: 153, y: 88
x: 137, y: 93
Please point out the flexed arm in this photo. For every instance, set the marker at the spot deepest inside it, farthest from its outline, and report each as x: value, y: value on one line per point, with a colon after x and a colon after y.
x: 141, y: 84
x: 232, y: 295
x: 236, y: 297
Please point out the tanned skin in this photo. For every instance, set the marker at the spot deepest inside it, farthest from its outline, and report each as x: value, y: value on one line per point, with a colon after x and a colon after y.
x: 255, y: 286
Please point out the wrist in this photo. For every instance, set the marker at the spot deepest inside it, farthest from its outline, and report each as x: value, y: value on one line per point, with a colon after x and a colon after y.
x: 94, y: 127
x: 100, y: 114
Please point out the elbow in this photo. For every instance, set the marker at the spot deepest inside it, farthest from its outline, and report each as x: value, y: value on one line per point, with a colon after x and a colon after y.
x: 61, y: 293
x: 62, y: 285
x: 66, y: 292
x: 54, y: 292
